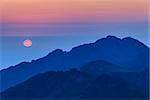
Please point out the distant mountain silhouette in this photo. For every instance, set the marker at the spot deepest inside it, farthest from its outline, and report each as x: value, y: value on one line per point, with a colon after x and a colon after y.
x: 75, y: 84
x: 128, y: 53
x: 101, y: 67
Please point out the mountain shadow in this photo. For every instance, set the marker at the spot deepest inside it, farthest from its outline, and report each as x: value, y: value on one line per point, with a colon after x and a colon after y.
x: 82, y: 84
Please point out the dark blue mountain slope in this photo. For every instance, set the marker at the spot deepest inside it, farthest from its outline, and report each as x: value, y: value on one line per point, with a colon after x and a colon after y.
x: 75, y: 84
x: 127, y: 53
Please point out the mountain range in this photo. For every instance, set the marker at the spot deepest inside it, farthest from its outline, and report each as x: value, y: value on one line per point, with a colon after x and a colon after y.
x: 82, y: 84
x: 109, y: 58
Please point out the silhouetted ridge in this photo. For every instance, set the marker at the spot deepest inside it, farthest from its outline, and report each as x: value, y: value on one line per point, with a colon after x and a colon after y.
x: 75, y: 84
x: 133, y: 42
x: 100, y: 67
x: 57, y: 51
x: 127, y: 53
x: 108, y: 39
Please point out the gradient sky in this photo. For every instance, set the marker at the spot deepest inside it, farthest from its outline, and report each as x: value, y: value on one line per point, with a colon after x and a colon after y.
x: 23, y: 17
x: 52, y: 24
x: 56, y: 11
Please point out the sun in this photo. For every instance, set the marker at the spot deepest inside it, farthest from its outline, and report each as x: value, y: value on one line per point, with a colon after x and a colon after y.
x: 27, y: 43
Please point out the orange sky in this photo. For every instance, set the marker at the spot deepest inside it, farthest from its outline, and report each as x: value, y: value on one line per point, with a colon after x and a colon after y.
x: 60, y: 11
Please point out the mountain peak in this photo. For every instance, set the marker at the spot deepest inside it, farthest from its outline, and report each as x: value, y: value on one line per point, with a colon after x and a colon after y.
x: 111, y: 37
x: 99, y: 67
x: 108, y: 39
x: 55, y: 52
x: 58, y: 51
x: 129, y: 39
x: 134, y: 42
